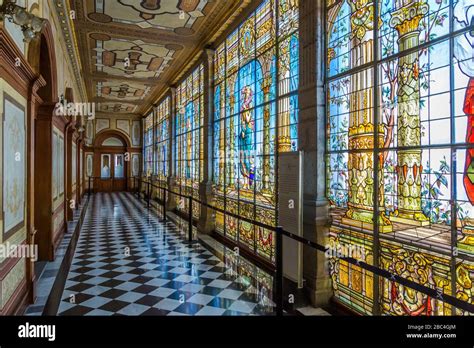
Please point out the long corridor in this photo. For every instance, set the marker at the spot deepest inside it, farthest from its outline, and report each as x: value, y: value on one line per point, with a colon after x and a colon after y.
x: 127, y: 262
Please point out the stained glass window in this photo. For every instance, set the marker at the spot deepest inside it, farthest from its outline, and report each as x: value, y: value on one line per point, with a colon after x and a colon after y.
x: 256, y: 114
x: 188, y: 145
x: 148, y: 146
x: 400, y: 96
x: 162, y: 139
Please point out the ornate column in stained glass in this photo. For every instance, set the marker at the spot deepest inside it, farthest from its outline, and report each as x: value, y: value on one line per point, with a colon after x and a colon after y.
x: 220, y: 112
x: 284, y: 138
x: 230, y: 174
x: 361, y: 125
x: 266, y: 88
x: 405, y: 19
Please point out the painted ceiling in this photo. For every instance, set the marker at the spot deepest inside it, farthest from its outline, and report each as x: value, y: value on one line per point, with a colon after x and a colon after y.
x: 132, y: 50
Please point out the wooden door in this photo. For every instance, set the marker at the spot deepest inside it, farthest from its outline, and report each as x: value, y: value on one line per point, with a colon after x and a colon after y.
x: 113, y: 173
x: 120, y: 174
x: 105, y: 180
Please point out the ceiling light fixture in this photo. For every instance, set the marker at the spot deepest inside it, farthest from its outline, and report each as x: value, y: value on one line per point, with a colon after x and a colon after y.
x: 30, y: 24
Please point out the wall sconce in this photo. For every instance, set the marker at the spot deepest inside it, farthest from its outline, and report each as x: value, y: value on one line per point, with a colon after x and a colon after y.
x: 30, y: 24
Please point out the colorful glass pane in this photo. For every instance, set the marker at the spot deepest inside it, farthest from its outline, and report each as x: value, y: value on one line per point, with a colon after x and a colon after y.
x: 245, y: 121
x: 188, y: 146
x: 162, y: 139
x: 399, y: 148
x: 148, y: 166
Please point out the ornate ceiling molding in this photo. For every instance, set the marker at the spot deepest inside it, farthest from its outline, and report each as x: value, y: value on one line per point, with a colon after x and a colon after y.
x: 133, y: 51
x: 63, y: 12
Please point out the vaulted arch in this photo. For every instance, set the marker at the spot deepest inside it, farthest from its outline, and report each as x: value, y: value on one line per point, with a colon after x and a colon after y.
x: 42, y: 58
x: 111, y: 133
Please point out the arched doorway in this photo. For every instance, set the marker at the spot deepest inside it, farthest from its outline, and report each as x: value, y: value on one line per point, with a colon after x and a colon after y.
x: 42, y: 58
x: 111, y: 162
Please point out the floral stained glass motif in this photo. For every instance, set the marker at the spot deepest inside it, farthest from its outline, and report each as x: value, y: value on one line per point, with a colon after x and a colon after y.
x: 399, y: 149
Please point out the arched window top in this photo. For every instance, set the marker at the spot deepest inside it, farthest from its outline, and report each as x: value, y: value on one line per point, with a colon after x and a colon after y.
x: 112, y: 141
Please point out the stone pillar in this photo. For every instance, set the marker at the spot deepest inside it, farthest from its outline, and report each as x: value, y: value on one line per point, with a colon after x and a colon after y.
x: 266, y: 88
x: 171, y: 201
x: 361, y: 164
x: 311, y: 133
x: 409, y: 169
x: 206, y: 220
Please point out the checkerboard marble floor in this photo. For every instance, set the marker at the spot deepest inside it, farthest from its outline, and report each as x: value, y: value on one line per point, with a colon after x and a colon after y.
x: 127, y: 262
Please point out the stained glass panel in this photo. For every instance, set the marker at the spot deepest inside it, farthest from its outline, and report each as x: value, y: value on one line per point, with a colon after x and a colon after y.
x: 162, y: 142
x: 148, y: 163
x: 188, y: 145
x: 399, y: 146
x: 250, y: 125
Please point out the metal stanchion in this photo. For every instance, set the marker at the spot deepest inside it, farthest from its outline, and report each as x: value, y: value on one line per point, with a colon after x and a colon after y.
x: 148, y: 194
x: 164, y: 205
x: 279, y: 271
x: 190, y: 219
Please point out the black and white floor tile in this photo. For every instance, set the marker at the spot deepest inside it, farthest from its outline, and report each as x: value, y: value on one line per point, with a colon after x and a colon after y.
x: 127, y: 262
x: 47, y: 274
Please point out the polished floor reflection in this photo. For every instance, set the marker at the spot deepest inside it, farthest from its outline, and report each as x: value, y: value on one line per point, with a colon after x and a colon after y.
x: 129, y: 263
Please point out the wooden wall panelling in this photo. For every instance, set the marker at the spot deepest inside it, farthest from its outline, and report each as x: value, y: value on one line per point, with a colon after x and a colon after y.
x: 68, y: 134
x: 43, y: 181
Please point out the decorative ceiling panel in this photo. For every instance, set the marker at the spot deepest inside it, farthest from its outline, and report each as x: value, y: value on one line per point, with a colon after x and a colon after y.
x: 117, y: 107
x: 132, y: 50
x: 126, y: 58
x: 167, y: 15
x: 127, y: 91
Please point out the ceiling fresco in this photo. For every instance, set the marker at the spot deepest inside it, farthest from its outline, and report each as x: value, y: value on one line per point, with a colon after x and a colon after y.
x: 178, y: 16
x: 122, y: 57
x: 122, y: 91
x: 117, y: 107
x: 132, y: 50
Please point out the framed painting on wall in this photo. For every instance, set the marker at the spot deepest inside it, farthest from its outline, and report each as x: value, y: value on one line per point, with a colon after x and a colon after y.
x: 81, y: 166
x: 74, y: 163
x: 135, y: 165
x: 124, y: 125
x: 14, y: 163
x: 61, y: 164
x: 101, y: 124
x: 89, y: 132
x: 89, y: 164
x: 136, y: 133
